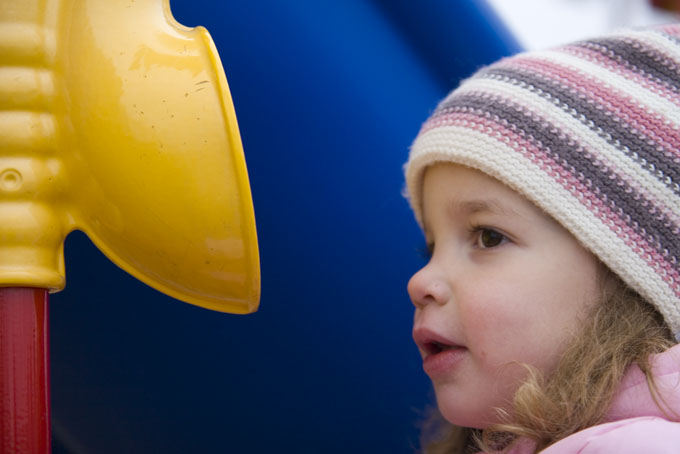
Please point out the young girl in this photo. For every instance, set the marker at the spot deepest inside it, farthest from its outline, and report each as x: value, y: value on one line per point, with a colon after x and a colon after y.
x: 548, y: 189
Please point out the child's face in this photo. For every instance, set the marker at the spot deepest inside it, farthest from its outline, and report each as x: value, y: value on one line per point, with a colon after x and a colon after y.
x: 506, y: 285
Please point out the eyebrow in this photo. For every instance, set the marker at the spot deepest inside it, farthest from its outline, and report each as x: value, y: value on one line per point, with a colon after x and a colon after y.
x: 474, y: 206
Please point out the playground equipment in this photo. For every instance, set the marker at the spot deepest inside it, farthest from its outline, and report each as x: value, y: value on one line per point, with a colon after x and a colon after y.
x: 117, y: 121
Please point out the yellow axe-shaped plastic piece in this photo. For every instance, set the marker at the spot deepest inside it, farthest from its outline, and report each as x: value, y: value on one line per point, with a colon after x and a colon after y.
x: 117, y: 121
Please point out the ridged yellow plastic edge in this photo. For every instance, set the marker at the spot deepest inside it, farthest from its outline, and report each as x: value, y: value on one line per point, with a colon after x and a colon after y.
x: 118, y: 121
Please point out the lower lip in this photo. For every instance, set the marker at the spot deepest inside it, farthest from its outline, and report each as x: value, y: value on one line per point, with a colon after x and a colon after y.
x: 444, y: 362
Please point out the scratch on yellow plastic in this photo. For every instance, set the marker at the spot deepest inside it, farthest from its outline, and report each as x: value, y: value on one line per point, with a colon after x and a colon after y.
x: 117, y: 121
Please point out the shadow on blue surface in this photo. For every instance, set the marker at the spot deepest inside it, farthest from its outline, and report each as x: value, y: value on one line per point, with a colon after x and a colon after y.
x: 329, y: 96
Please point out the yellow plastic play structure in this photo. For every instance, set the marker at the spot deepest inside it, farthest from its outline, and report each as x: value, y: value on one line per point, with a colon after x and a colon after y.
x: 118, y: 121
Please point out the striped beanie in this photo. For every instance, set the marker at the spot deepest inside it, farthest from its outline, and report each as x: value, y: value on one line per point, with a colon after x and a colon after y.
x: 590, y: 133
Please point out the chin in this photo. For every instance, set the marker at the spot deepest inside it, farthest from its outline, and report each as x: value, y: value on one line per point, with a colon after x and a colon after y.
x: 463, y: 413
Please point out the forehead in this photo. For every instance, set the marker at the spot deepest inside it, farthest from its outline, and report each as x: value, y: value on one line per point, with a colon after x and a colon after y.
x: 462, y: 190
x: 465, y: 184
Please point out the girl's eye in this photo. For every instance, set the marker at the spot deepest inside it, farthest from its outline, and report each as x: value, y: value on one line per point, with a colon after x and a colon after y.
x: 489, y: 238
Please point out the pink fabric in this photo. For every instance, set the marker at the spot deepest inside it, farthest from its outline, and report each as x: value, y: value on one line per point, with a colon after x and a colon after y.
x: 636, y: 425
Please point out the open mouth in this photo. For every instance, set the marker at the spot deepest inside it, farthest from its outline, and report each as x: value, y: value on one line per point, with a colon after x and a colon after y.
x: 433, y: 347
x: 441, y: 356
x: 432, y: 343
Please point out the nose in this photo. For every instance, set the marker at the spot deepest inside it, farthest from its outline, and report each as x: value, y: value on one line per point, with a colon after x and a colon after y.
x: 429, y: 285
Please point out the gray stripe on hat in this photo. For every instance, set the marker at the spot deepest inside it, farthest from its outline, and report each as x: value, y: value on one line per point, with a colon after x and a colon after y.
x: 645, y: 60
x: 638, y: 147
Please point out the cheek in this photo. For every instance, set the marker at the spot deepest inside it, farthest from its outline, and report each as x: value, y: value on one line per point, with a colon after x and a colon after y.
x: 526, y: 309
x: 530, y: 323
x: 492, y: 320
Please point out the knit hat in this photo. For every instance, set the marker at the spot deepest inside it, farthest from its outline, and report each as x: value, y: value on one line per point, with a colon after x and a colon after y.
x: 590, y: 133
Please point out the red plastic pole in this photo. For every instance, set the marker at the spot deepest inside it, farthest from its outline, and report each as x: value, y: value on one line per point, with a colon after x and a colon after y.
x: 24, y: 372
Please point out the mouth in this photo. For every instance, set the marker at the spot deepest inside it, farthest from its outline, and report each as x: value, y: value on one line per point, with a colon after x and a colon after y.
x: 441, y: 356
x: 434, y: 347
x: 432, y: 343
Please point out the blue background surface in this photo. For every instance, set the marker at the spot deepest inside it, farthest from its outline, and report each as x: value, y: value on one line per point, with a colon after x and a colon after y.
x: 329, y: 96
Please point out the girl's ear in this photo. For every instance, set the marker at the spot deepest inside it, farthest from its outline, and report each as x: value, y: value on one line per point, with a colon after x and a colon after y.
x: 609, y: 282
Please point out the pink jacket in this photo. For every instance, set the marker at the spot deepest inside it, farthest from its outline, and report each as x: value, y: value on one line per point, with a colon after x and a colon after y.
x: 635, y: 424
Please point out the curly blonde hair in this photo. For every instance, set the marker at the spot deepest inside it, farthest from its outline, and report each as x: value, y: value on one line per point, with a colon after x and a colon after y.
x: 622, y: 330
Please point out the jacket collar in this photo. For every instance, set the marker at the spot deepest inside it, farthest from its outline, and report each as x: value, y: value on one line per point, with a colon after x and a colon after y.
x: 634, y: 397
